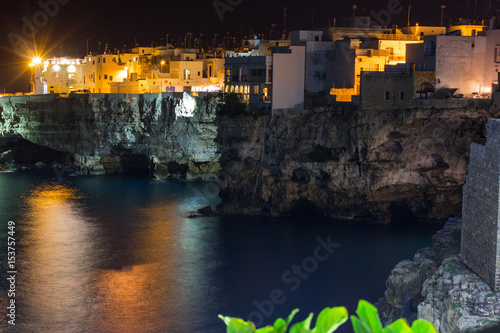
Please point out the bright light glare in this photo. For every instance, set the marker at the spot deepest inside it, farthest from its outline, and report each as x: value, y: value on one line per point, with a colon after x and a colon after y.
x: 186, y: 107
x: 37, y: 60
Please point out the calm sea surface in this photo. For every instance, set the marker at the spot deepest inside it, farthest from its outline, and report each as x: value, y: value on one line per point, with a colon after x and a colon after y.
x: 113, y: 254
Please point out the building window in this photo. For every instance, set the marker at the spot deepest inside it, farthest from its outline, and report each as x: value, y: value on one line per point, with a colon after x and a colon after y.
x: 110, y: 78
x: 187, y: 74
x: 429, y: 48
x: 497, y: 54
x: 55, y: 75
x: 387, y: 96
x: 199, y: 73
x: 105, y: 76
x: 104, y: 60
x: 93, y: 62
x: 98, y: 60
x: 401, y: 95
x: 71, y: 76
x: 255, y: 90
x: 99, y: 76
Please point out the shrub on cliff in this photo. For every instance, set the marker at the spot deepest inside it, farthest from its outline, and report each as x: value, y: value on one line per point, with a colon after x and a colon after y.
x: 366, y: 321
x: 232, y: 106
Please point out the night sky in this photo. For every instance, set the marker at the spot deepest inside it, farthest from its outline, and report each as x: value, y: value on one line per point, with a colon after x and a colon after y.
x: 121, y: 23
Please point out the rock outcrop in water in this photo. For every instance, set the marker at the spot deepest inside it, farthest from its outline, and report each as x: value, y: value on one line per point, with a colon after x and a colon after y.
x: 349, y: 163
x: 438, y: 287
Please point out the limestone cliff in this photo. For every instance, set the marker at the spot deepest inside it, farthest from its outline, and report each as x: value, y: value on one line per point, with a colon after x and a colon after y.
x: 349, y: 163
x: 339, y: 161
x: 438, y: 287
x: 116, y: 133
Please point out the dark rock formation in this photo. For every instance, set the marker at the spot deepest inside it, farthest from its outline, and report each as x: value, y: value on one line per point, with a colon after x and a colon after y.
x: 348, y: 163
x: 438, y: 287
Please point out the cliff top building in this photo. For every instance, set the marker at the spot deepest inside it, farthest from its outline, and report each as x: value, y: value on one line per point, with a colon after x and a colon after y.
x: 143, y: 70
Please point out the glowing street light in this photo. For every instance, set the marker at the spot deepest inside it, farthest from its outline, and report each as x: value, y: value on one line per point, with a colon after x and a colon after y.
x: 37, y: 61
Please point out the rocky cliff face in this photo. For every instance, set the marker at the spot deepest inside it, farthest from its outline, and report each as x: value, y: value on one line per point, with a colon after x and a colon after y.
x: 168, y: 135
x: 438, y: 287
x: 349, y: 163
x: 337, y: 161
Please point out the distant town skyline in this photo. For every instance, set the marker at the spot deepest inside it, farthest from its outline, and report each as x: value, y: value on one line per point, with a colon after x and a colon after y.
x: 66, y: 27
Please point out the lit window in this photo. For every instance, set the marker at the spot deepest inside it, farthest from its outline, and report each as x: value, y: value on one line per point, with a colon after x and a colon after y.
x: 55, y: 75
x: 71, y: 76
x: 255, y: 90
x: 187, y: 74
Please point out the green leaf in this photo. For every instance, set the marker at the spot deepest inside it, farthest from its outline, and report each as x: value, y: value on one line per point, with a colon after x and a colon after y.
x: 360, y: 326
x: 303, y: 326
x: 400, y: 326
x: 226, y: 320
x: 422, y: 326
x: 267, y: 329
x: 330, y: 319
x: 280, y: 325
x: 369, y: 315
x: 237, y: 325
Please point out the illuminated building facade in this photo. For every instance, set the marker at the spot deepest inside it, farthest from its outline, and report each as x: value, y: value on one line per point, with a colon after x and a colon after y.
x: 144, y: 70
x: 272, y: 74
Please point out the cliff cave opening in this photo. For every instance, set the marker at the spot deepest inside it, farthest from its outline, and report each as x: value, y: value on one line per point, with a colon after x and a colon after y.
x: 401, y: 214
x: 19, y: 151
x: 136, y: 165
x: 304, y: 207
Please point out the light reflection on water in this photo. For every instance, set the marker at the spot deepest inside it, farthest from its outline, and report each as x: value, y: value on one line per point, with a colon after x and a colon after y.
x: 110, y: 254
x: 82, y: 274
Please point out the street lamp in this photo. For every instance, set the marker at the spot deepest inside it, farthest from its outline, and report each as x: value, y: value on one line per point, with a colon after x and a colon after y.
x: 34, y: 67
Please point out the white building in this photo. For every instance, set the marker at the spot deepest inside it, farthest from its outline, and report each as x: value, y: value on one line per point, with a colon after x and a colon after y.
x: 319, y: 56
x: 459, y: 62
x: 269, y: 75
x: 144, y: 70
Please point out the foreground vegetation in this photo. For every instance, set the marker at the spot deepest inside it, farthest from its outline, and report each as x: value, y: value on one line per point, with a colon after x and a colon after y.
x: 366, y: 321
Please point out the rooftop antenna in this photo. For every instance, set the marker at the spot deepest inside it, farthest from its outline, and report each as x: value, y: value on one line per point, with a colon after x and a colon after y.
x: 409, y: 9
x: 284, y: 20
x: 475, y: 11
x: 353, y: 14
x: 442, y: 10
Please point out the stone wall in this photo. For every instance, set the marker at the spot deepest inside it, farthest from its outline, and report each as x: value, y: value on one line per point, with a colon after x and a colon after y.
x: 481, y: 228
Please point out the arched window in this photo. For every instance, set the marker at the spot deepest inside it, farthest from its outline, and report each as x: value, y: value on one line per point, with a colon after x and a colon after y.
x: 426, y: 87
